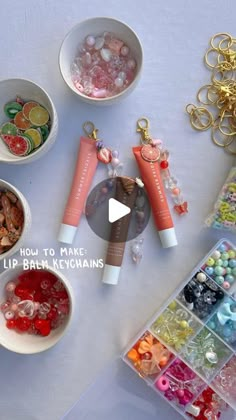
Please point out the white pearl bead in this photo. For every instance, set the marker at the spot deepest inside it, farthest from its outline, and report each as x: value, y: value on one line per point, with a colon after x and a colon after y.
x: 99, y: 43
x: 201, y: 277
x: 90, y: 40
x: 122, y: 75
x: 119, y: 82
x: 9, y: 315
x: 216, y: 255
x: 124, y: 50
x: 106, y: 54
x: 131, y: 64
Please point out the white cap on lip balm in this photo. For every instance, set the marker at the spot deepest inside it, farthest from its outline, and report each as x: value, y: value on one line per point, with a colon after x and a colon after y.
x: 111, y: 274
x: 67, y: 233
x: 168, y: 237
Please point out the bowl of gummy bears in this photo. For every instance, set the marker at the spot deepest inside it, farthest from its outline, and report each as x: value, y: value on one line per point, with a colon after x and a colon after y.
x: 28, y: 121
x: 101, y: 60
x: 36, y: 308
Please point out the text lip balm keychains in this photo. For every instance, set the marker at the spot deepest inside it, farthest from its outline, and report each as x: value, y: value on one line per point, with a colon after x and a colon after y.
x: 151, y: 159
x: 91, y: 150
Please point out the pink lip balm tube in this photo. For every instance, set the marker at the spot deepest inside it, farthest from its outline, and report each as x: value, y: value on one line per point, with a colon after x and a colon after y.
x: 84, y: 172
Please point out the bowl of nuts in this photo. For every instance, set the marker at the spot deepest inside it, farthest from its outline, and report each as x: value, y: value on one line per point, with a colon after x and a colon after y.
x: 15, y: 219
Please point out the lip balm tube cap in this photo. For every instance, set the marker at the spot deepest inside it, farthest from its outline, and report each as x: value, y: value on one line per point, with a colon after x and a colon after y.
x: 111, y: 274
x: 194, y: 410
x: 168, y: 238
x: 67, y: 233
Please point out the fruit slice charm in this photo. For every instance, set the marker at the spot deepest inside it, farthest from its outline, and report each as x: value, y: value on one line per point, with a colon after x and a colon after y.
x: 27, y: 108
x: 38, y: 116
x: 104, y: 155
x: 19, y: 146
x: 9, y: 128
x: 150, y: 153
x: 21, y: 122
x: 35, y: 137
x: 12, y: 108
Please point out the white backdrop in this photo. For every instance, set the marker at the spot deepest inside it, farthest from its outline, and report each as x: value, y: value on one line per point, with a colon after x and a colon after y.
x: 174, y: 35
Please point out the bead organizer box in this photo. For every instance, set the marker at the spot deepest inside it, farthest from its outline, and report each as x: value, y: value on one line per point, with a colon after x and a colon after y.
x: 187, y: 351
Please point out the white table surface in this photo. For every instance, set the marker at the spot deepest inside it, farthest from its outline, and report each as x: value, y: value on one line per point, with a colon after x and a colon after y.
x: 174, y: 35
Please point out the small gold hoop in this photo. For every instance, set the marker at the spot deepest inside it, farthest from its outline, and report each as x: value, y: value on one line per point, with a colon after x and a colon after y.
x: 225, y: 143
x: 207, y: 88
x: 229, y: 150
x: 225, y: 35
x: 200, y: 118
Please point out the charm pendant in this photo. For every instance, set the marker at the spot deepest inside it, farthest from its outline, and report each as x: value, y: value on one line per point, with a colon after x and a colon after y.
x: 150, y: 153
x: 104, y: 155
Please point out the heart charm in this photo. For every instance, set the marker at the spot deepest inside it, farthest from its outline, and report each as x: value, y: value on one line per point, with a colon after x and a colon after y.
x: 104, y: 155
x: 150, y: 153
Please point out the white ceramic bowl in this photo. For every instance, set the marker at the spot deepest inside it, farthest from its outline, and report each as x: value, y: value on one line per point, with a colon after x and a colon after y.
x: 97, y: 26
x: 27, y: 343
x: 28, y: 90
x: 27, y: 218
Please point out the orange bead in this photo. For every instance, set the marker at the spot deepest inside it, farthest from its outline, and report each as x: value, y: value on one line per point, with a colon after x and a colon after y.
x: 176, y: 191
x: 133, y: 355
x: 163, y: 362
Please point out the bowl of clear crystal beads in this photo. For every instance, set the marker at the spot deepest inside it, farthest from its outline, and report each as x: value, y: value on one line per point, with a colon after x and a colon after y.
x: 95, y: 27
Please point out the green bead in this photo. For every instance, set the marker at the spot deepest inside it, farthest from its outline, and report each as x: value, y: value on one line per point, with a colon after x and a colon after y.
x: 228, y: 270
x: 219, y: 280
x: 219, y: 270
x: 225, y: 256
x: 234, y: 271
x: 219, y: 262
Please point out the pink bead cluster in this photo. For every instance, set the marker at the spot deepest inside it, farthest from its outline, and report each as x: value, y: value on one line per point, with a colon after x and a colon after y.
x: 36, y: 302
x: 103, y: 67
x: 225, y: 381
x: 179, y: 383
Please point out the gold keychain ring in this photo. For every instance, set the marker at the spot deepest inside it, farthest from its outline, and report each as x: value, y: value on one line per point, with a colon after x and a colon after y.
x: 90, y: 130
x: 200, y: 118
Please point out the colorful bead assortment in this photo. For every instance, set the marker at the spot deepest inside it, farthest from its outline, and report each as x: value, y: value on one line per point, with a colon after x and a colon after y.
x: 103, y: 67
x: 28, y: 128
x: 225, y: 381
x: 208, y: 406
x: 175, y: 326
x: 199, y: 328
x: 11, y: 220
x: 206, y: 353
x: 201, y: 295
x: 221, y: 266
x: 224, y: 214
x: 36, y: 302
x: 179, y: 383
x: 148, y: 355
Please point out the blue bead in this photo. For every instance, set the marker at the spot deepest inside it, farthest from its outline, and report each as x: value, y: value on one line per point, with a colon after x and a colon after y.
x: 209, y: 271
x: 229, y: 278
x: 227, y: 331
x: 225, y: 263
x: 219, y: 280
x: 212, y: 325
x: 232, y: 263
x: 222, y: 247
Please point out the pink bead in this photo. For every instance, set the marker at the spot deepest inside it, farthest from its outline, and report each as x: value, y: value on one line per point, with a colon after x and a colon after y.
x: 124, y: 50
x: 176, y: 191
x: 79, y: 87
x: 14, y: 307
x: 226, y: 285
x: 36, y: 306
x: 99, y: 93
x: 10, y: 286
x: 162, y: 384
x: 131, y: 64
x: 156, y: 142
x: 180, y: 393
x: 185, y: 400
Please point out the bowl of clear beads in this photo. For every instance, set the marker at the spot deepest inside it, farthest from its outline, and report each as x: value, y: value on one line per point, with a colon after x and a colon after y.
x: 35, y: 309
x: 101, y: 60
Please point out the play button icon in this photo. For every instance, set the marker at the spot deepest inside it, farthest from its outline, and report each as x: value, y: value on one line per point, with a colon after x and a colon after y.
x: 117, y: 205
x: 117, y: 210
